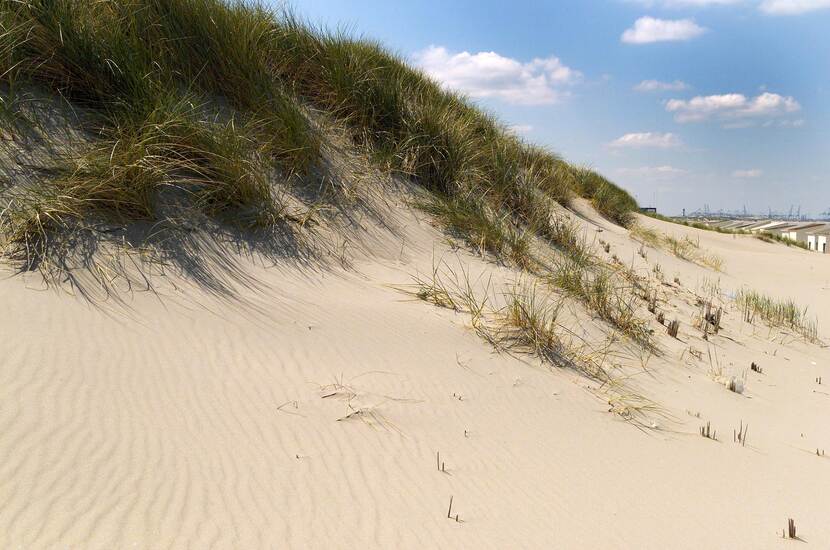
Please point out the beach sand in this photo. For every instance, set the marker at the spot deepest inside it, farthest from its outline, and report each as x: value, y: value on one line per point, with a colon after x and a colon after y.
x: 314, y: 407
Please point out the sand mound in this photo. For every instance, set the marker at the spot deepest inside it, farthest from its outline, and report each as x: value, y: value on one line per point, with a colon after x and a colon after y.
x: 331, y: 410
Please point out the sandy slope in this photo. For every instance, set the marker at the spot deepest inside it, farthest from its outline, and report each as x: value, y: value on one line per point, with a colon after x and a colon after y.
x: 792, y: 273
x: 187, y: 421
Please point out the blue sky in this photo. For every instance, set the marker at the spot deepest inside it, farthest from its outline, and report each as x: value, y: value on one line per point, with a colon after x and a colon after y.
x: 685, y: 103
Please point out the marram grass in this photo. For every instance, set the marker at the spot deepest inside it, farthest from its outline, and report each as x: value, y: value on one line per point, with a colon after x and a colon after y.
x: 216, y: 105
x: 777, y: 313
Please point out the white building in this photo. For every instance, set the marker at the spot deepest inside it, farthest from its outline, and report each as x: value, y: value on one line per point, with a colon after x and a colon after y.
x: 799, y: 232
x: 817, y: 240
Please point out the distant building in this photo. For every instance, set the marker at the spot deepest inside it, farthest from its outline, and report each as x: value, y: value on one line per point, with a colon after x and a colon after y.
x: 813, y: 235
x: 772, y: 226
x: 817, y: 239
x: 753, y: 226
x: 799, y: 232
x: 648, y: 209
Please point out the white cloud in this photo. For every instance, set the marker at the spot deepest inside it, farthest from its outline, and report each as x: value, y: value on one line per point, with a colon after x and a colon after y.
x: 647, y: 139
x: 657, y: 86
x: 793, y: 7
x: 652, y: 171
x: 751, y: 173
x: 797, y: 123
x: 649, y: 29
x: 520, y: 129
x: 732, y: 108
x: 490, y: 75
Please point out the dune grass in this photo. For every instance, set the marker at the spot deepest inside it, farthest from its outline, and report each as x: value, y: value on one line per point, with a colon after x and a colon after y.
x: 565, y: 235
x: 777, y: 313
x: 645, y: 235
x: 689, y: 250
x: 683, y: 247
x: 126, y: 59
x: 216, y: 100
x: 521, y: 318
x: 606, y: 197
x: 147, y: 76
x: 768, y: 237
x: 526, y: 319
x: 481, y: 227
x: 606, y: 293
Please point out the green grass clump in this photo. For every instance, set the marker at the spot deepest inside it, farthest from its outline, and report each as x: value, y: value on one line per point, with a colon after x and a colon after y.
x: 683, y: 248
x: 215, y: 106
x: 525, y: 320
x: 606, y: 197
x: 777, y: 313
x: 564, y: 233
x: 606, y: 294
x: 522, y: 319
x: 480, y: 227
x: 530, y: 322
x: 147, y: 74
x: 122, y: 58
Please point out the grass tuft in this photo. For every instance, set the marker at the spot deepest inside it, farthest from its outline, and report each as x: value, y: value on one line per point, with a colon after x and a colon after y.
x: 777, y: 313
x: 480, y: 227
x: 522, y: 319
x: 525, y: 320
x: 605, y: 293
x: 608, y: 198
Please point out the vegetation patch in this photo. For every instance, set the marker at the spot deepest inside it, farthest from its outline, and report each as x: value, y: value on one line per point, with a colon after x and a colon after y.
x: 480, y: 226
x: 607, y: 293
x: 645, y: 235
x: 182, y: 110
x: 684, y: 247
x: 524, y: 319
x: 775, y: 238
x: 777, y: 313
x: 606, y: 197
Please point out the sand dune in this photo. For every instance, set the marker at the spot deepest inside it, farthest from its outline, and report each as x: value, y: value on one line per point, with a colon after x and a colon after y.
x: 269, y: 286
x: 307, y: 413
